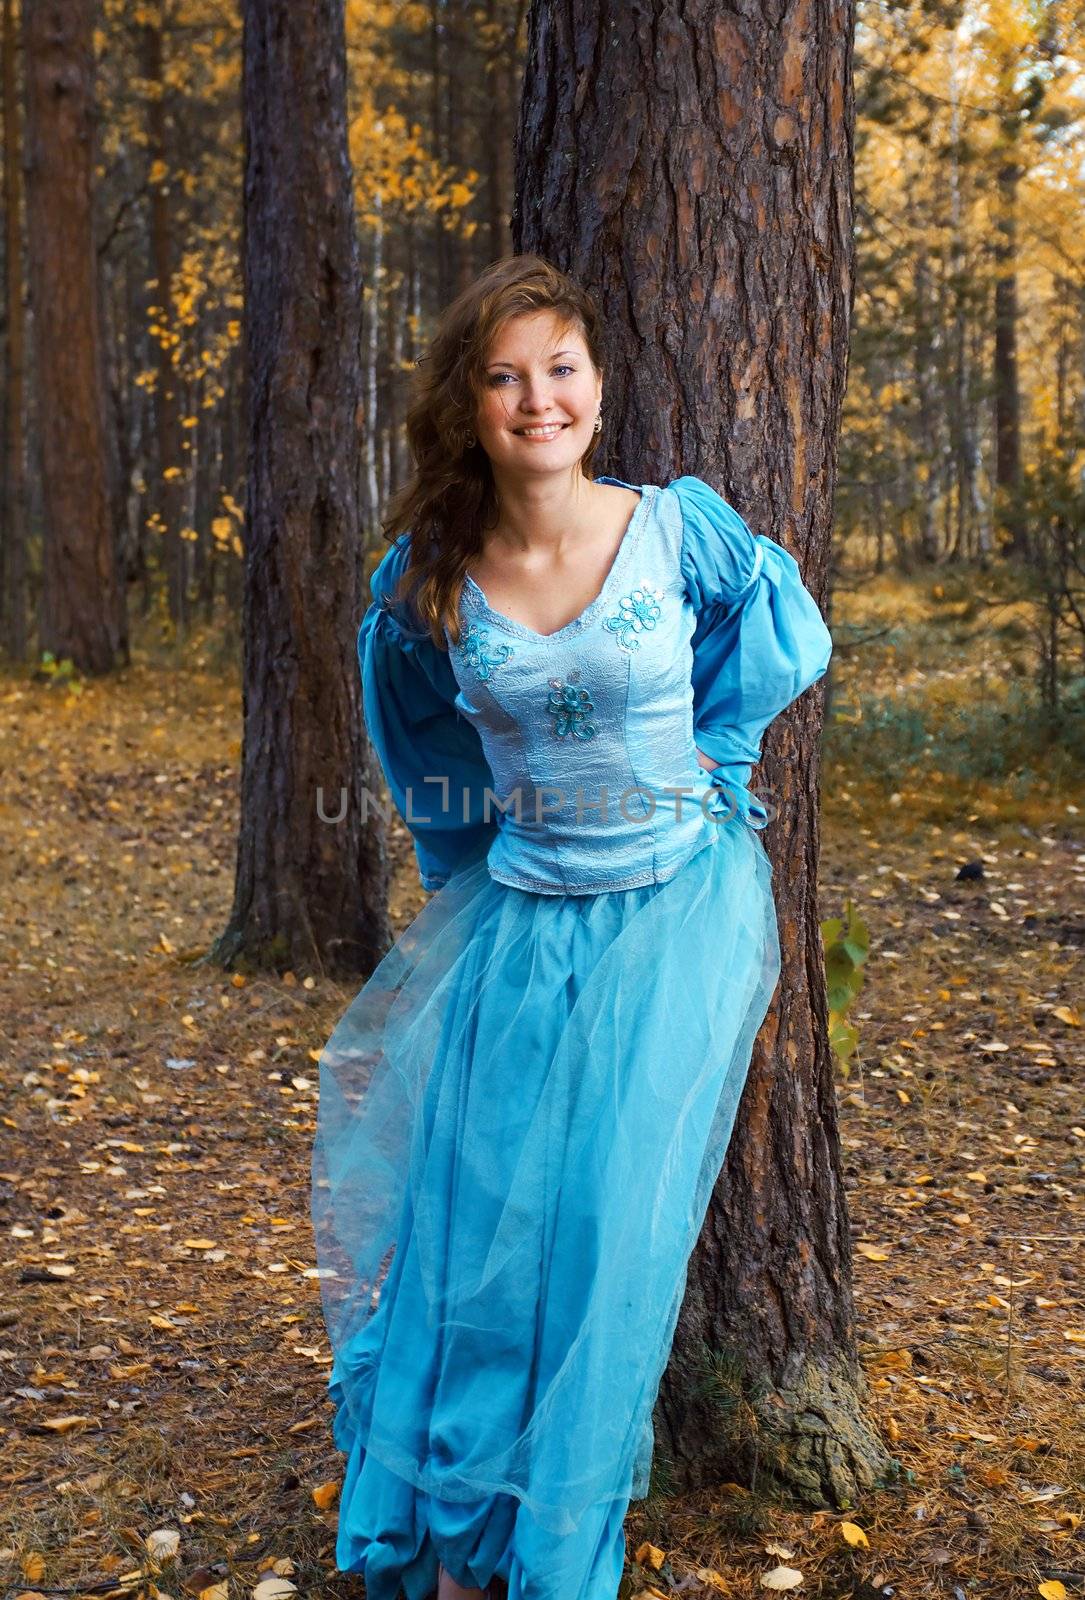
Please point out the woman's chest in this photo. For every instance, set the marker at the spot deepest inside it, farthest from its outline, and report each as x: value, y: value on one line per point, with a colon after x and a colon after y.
x: 546, y: 602
x: 625, y: 660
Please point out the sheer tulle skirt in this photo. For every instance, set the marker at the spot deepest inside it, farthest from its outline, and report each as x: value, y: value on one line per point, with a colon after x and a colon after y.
x: 522, y: 1115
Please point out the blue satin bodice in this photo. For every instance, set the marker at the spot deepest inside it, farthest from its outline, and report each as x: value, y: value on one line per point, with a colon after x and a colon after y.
x: 570, y: 758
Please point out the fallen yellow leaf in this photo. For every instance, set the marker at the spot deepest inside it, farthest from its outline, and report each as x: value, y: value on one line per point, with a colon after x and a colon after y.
x: 649, y: 1555
x: 896, y: 1360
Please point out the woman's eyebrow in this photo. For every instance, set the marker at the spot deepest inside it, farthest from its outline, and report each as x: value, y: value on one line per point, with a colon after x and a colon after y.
x: 552, y: 357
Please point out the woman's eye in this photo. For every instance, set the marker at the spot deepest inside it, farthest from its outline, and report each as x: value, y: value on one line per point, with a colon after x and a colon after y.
x: 495, y: 377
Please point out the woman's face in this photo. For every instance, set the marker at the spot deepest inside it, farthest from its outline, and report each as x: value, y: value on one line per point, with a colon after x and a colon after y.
x: 537, y: 377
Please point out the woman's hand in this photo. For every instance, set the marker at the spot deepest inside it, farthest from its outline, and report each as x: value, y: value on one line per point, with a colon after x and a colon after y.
x: 706, y: 761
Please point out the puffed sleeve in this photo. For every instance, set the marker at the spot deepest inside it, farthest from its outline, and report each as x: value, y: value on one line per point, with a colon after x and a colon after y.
x: 760, y: 638
x: 430, y: 754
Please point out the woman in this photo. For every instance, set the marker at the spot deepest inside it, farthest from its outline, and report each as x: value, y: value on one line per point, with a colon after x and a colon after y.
x: 523, y: 1112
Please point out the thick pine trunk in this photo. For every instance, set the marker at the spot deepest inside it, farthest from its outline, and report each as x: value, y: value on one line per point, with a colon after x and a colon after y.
x: 694, y: 171
x: 14, y: 593
x: 80, y: 602
x: 310, y: 893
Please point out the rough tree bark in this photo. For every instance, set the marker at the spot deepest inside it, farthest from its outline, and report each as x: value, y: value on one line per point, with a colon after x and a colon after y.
x: 693, y: 170
x: 309, y: 893
x: 14, y: 592
x: 81, y: 599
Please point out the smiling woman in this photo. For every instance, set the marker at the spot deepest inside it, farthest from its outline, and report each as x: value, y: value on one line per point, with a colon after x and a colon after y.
x: 541, y: 388
x: 554, y: 1032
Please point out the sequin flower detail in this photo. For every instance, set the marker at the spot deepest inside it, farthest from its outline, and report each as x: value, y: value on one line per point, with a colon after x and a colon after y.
x: 475, y: 650
x: 637, y: 613
x: 571, y: 707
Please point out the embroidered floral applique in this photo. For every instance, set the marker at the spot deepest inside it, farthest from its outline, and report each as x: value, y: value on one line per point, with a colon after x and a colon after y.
x: 571, y: 706
x: 637, y: 613
x: 474, y: 648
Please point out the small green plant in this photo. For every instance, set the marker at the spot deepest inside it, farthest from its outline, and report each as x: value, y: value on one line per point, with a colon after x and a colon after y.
x: 846, y: 942
x: 53, y: 672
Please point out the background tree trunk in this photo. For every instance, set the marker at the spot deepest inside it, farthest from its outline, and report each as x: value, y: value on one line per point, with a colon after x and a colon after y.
x: 167, y: 398
x: 13, y: 577
x: 442, y: 255
x: 309, y: 893
x: 695, y: 173
x: 81, y: 601
x: 1007, y: 392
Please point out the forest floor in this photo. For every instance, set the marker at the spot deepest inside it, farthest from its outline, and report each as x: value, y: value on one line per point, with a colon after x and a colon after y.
x: 163, y: 1418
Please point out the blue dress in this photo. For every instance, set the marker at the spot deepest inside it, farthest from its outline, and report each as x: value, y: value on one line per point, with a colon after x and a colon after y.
x: 523, y: 1112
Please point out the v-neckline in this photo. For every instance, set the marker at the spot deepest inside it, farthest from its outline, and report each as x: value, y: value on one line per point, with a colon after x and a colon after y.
x: 621, y: 556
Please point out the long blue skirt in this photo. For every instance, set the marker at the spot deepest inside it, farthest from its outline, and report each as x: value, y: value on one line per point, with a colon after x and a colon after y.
x: 522, y: 1115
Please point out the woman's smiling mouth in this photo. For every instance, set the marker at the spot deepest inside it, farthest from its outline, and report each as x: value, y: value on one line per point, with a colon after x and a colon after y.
x: 549, y: 431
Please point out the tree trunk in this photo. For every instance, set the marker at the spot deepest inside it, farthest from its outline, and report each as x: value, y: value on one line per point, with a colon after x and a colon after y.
x: 167, y: 402
x: 1007, y: 389
x: 394, y: 340
x: 695, y: 173
x: 231, y: 482
x: 370, y: 512
x: 442, y: 261
x: 463, y: 68
x: 203, y: 447
x: 928, y: 396
x: 962, y: 422
x: 499, y: 144
x: 81, y: 603
x: 119, y: 458
x: 13, y: 585
x: 310, y: 893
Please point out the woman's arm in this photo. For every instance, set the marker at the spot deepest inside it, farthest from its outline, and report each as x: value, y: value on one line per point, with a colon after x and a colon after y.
x: 431, y: 756
x: 760, y: 638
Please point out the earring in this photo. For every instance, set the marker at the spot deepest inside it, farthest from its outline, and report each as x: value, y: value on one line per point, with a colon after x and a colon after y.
x: 469, y: 440
x: 598, y: 422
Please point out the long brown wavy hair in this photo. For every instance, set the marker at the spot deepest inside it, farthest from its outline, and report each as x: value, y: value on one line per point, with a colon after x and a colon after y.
x: 450, y: 500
